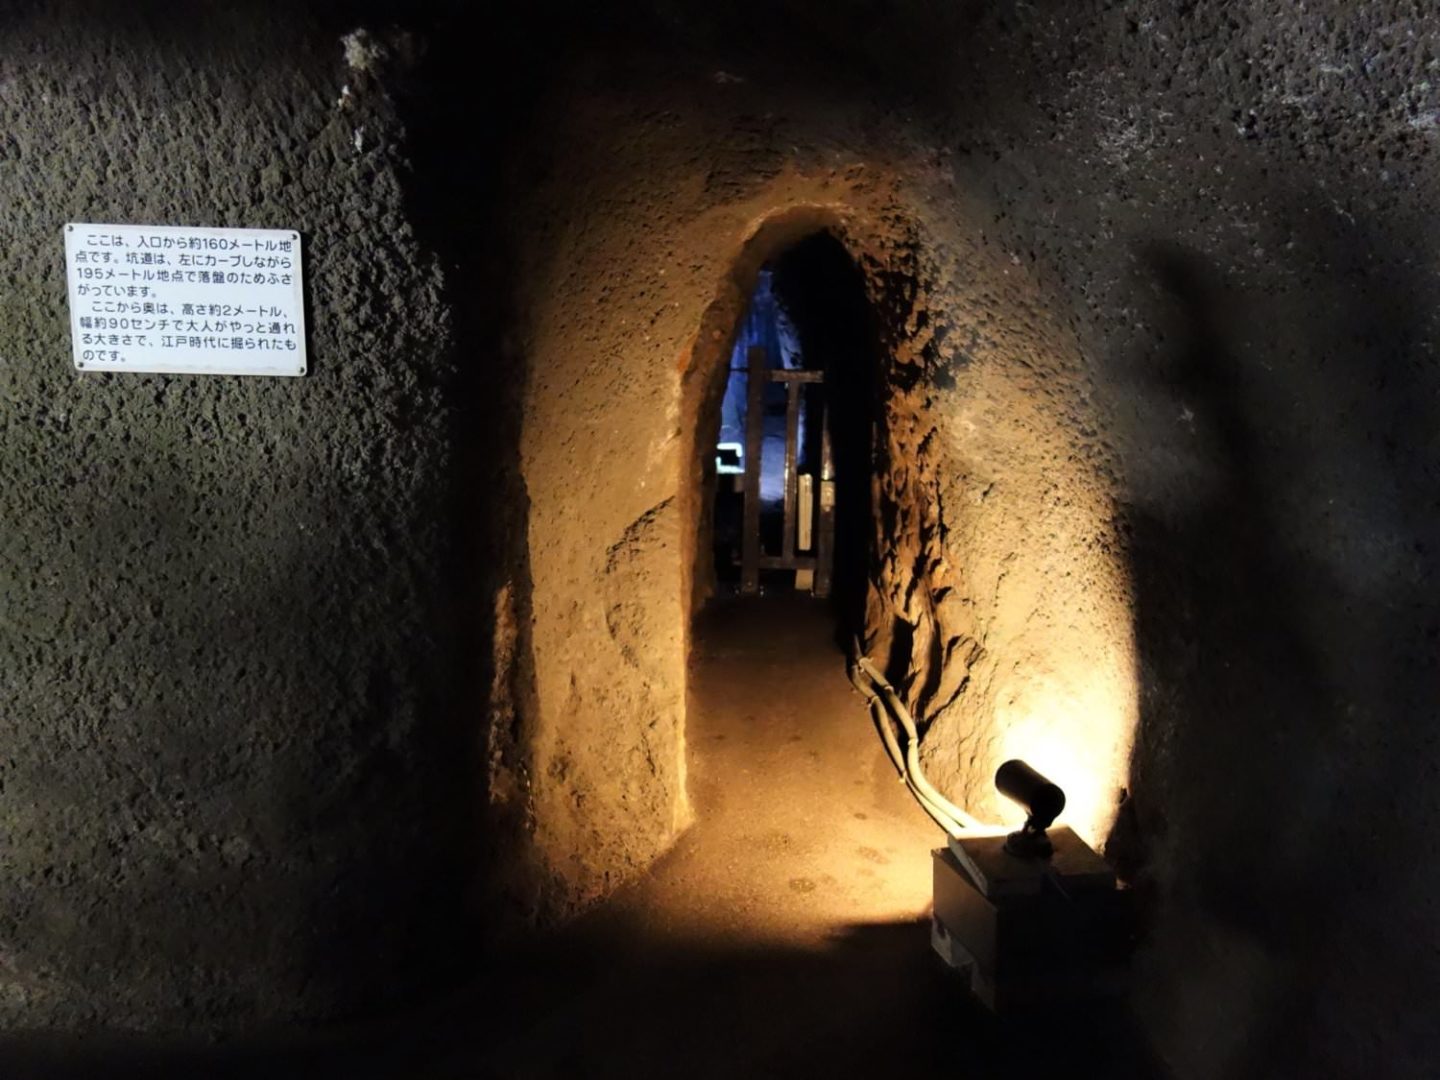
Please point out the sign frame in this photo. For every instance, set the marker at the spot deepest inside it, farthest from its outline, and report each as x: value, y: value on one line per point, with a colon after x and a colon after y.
x: 188, y: 254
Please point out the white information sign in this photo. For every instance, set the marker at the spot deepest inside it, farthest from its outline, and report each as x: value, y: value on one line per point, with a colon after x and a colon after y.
x: 185, y: 301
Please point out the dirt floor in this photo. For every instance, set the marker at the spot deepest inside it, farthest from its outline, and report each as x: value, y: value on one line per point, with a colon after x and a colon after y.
x: 785, y: 935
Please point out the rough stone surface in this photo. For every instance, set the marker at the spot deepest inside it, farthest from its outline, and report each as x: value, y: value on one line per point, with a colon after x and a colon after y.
x: 229, y: 734
x: 1155, y: 292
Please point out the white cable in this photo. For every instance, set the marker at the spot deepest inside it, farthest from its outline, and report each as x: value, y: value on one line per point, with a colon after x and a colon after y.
x: 946, y: 814
x: 887, y: 733
x: 881, y: 719
x: 949, y: 824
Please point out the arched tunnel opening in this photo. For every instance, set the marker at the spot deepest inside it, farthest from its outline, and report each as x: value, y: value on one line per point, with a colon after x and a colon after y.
x: 791, y: 486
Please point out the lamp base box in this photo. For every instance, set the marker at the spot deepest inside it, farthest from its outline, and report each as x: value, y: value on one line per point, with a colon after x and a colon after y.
x: 1032, y: 931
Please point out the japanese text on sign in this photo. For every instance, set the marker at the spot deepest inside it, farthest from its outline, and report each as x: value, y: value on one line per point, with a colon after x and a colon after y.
x: 186, y: 301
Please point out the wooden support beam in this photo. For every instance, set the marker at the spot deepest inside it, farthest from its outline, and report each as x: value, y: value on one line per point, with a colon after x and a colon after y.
x: 825, y: 534
x: 796, y: 375
x: 792, y: 441
x: 780, y: 562
x: 755, y: 385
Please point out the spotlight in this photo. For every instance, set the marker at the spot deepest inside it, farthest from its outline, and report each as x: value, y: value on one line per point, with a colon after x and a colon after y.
x: 1030, y: 919
x: 1042, y: 801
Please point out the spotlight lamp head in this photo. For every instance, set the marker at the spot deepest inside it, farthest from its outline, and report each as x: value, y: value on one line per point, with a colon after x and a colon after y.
x: 1042, y: 801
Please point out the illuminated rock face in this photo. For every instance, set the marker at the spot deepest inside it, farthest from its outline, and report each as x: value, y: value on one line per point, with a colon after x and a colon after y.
x: 1152, y: 461
x: 995, y: 558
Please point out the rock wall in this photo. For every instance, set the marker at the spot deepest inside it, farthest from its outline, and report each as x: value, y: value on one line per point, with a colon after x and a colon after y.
x: 233, y: 722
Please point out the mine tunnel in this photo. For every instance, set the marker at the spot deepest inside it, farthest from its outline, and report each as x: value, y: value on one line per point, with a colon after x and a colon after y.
x: 681, y: 539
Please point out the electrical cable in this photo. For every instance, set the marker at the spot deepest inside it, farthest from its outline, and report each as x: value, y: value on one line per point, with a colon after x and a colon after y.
x: 886, y: 708
x: 887, y: 732
x: 913, y: 773
x: 881, y: 718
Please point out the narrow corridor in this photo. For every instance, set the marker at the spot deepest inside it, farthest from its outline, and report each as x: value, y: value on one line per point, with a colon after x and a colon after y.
x: 803, y: 831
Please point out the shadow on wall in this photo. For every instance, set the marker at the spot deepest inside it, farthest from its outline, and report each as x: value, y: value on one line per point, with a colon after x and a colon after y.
x: 457, y: 199
x: 1283, y: 769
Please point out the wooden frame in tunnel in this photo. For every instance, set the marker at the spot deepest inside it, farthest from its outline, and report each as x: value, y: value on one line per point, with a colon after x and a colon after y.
x: 753, y: 556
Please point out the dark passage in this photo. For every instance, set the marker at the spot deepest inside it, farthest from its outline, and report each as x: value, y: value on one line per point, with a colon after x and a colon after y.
x: 800, y: 444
